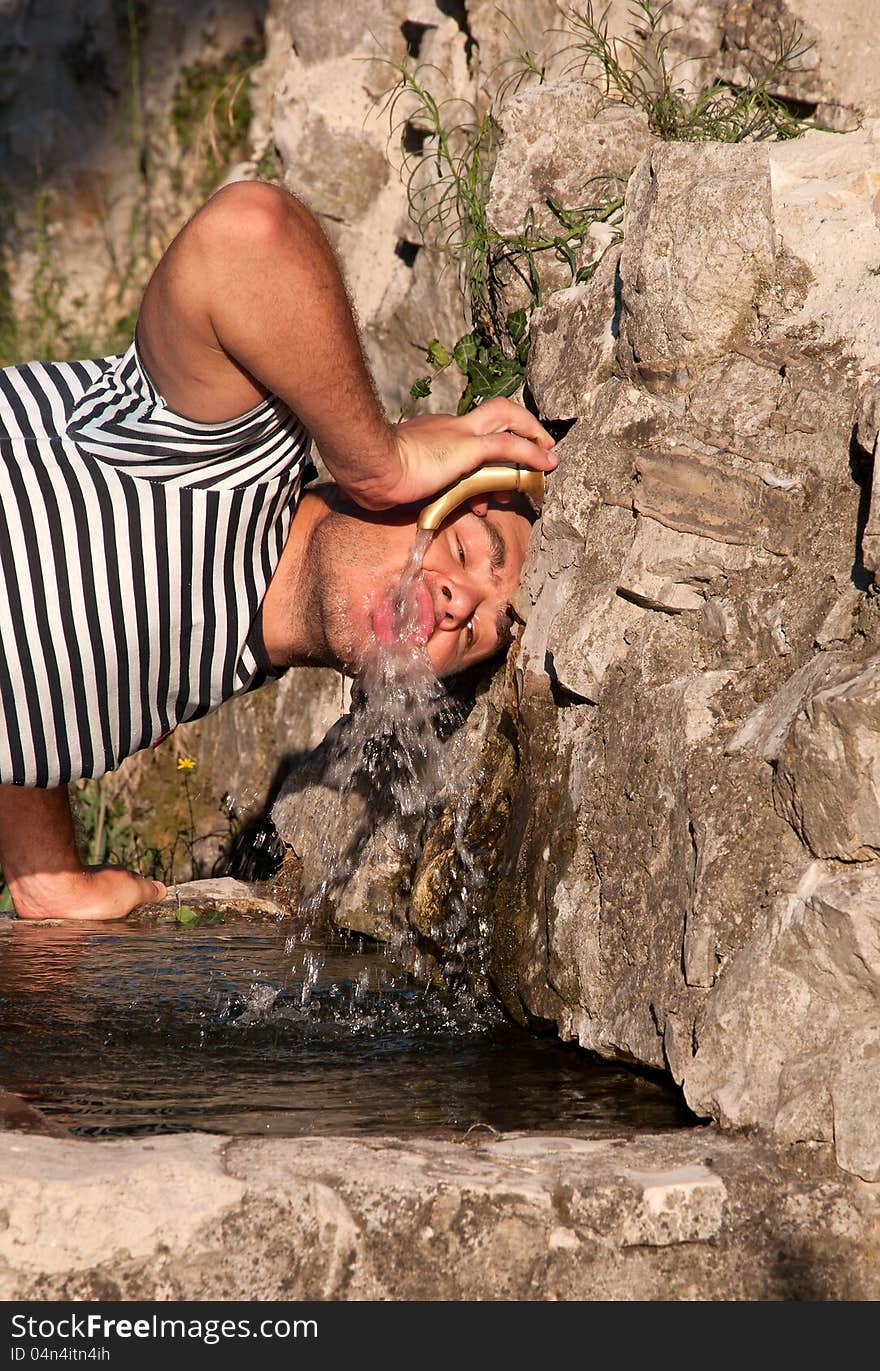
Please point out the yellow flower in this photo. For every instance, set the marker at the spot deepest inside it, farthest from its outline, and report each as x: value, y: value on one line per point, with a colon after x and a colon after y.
x: 185, y: 764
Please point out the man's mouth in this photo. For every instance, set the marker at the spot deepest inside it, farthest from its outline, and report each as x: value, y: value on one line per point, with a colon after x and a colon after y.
x: 405, y: 616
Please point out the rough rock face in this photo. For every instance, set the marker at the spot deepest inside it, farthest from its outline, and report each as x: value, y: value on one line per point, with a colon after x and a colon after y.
x: 692, y: 860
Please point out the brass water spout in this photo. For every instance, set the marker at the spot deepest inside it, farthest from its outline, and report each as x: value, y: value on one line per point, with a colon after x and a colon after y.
x: 485, y: 481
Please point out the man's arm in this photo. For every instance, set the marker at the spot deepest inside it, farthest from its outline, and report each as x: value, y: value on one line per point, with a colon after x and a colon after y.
x: 42, y: 866
x: 249, y: 299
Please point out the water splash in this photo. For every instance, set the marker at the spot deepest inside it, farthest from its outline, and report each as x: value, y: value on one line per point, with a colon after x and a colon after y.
x: 382, y: 777
x: 384, y: 765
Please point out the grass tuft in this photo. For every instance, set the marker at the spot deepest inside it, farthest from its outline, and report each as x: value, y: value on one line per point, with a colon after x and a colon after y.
x: 447, y: 170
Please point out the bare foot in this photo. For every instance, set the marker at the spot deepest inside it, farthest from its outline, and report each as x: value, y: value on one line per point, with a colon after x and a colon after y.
x: 95, y: 894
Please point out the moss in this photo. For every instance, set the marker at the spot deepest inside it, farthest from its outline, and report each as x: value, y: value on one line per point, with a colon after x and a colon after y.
x: 211, y: 112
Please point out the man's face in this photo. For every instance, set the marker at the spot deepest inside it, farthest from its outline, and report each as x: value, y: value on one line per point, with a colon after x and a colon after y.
x: 460, y: 602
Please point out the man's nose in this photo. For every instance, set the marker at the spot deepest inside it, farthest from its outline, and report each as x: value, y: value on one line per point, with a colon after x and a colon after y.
x: 458, y: 601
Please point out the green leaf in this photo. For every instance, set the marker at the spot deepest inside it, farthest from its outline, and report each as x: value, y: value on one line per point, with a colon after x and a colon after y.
x: 517, y: 324
x: 464, y: 351
x: 480, y: 378
x: 420, y: 388
x: 504, y: 385
x: 187, y: 915
x: 437, y: 354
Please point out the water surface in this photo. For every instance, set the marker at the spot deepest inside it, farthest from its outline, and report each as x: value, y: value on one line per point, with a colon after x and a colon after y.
x: 119, y: 1030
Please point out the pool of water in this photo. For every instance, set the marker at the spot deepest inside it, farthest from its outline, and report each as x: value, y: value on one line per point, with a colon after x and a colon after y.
x: 116, y: 1031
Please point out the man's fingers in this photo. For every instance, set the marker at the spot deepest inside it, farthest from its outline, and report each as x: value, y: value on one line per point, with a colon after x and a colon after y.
x: 511, y: 447
x: 500, y: 414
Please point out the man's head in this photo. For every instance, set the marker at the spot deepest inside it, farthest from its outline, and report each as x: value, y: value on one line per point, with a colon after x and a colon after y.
x: 349, y: 566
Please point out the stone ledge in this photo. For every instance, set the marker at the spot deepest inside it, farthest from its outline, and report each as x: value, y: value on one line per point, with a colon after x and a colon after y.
x: 686, y: 1215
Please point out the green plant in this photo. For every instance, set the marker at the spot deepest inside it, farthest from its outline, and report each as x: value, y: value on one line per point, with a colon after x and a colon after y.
x: 45, y: 321
x: 39, y: 315
x: 448, y: 169
x: 449, y: 210
x: 104, y: 828
x: 211, y: 112
x: 634, y: 69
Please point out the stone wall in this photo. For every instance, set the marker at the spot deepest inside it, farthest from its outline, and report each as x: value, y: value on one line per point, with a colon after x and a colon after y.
x: 105, y: 150
x: 692, y: 689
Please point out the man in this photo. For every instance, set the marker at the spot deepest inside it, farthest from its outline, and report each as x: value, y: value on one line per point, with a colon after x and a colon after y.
x: 150, y: 563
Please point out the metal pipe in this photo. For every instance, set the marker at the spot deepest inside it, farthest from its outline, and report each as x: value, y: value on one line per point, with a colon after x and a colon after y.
x: 494, y: 476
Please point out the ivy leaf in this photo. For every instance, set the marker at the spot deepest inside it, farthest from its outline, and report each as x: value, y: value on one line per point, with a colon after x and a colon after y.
x: 420, y: 388
x: 479, y: 376
x: 437, y: 354
x: 504, y: 385
x: 516, y: 324
x: 464, y: 352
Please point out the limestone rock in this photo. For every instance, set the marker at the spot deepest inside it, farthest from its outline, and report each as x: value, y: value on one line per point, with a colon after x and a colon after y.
x: 196, y: 821
x: 695, y: 494
x: 765, y: 729
x: 573, y: 341
x: 250, y: 902
x: 827, y: 783
x: 339, y: 174
x: 699, y: 215
x: 673, y: 570
x: 692, y: 692
x: 560, y: 143
x: 353, y: 27
x: 586, y: 637
x: 691, y: 1215
x: 837, y: 68
x: 825, y: 192
x: 811, y: 980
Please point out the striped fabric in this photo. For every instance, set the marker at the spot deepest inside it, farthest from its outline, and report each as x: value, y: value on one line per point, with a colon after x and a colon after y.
x: 135, y: 550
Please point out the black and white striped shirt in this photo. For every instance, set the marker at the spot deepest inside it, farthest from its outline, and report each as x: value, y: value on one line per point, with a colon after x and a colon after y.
x: 135, y: 550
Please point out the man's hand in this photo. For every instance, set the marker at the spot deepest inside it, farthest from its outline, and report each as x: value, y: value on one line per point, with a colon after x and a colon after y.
x: 43, y: 870
x: 435, y: 450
